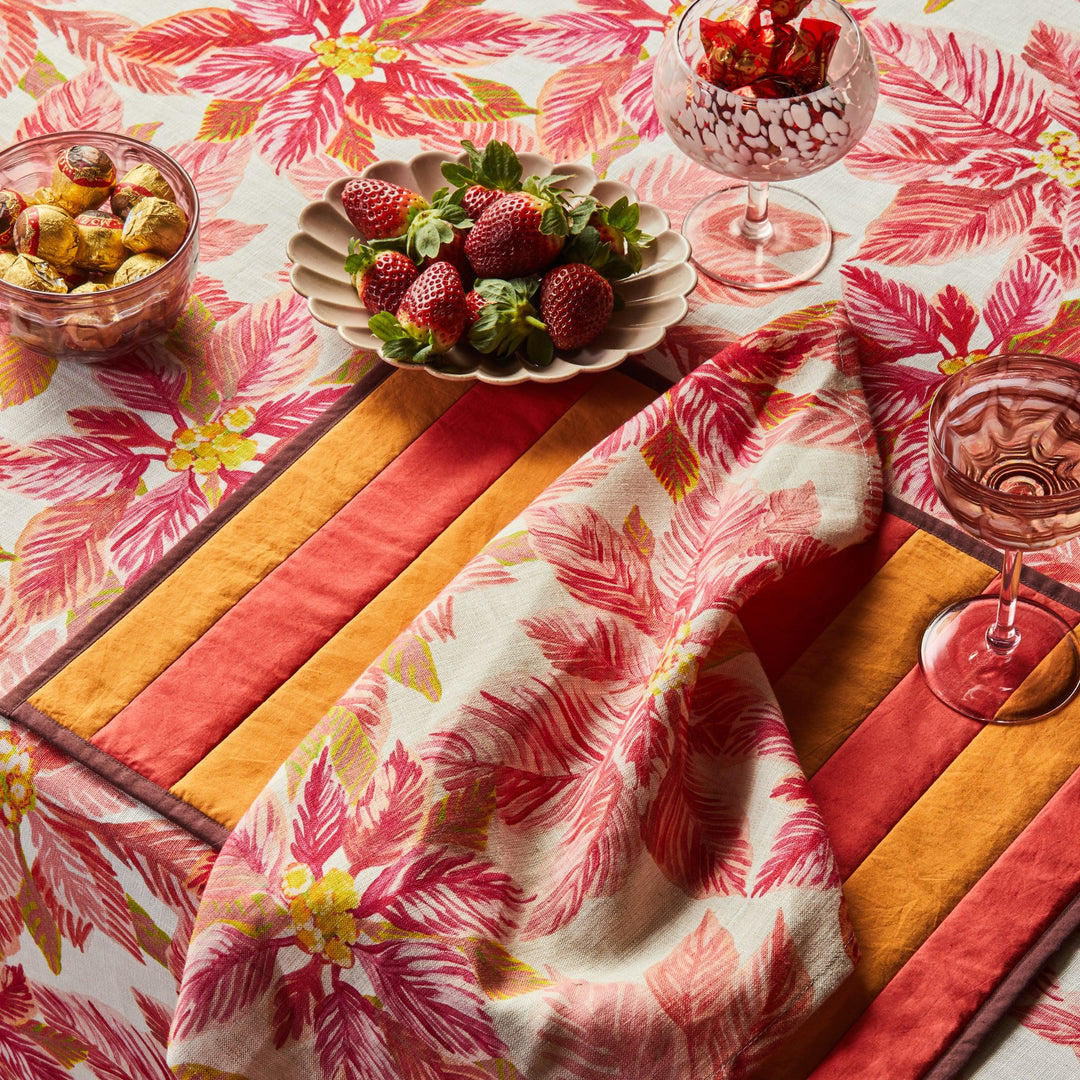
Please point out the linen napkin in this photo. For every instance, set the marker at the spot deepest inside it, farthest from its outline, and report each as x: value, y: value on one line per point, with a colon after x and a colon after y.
x: 559, y: 828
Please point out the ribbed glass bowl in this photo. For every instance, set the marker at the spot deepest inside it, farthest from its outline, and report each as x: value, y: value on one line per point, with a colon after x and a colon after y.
x: 97, y: 326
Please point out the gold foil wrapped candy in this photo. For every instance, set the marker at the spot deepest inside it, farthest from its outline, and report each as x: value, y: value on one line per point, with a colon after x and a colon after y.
x: 83, y: 177
x: 12, y: 204
x: 101, y: 242
x: 138, y: 183
x: 156, y: 225
x: 30, y: 272
x: 136, y: 267
x: 6, y: 259
x: 48, y: 233
x: 89, y: 287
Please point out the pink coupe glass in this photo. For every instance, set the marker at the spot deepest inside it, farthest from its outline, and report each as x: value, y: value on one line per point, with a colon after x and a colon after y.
x: 1004, y: 446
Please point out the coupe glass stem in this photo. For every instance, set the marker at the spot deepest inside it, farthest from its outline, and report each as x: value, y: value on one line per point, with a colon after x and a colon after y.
x: 755, y: 225
x: 1003, y: 635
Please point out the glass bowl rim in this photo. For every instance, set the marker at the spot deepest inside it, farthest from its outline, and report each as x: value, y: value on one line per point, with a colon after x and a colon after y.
x: 992, y: 497
x: 130, y: 291
x: 734, y: 97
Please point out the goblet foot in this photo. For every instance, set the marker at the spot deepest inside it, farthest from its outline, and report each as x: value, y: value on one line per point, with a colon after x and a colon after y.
x: 793, y: 245
x: 1038, y: 676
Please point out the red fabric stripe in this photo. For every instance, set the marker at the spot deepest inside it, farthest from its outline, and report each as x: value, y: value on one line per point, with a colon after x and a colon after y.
x: 818, y: 593
x: 280, y: 623
x: 860, y: 791
x: 930, y: 1000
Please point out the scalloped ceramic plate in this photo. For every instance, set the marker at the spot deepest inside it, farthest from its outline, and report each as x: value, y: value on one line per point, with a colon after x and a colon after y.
x: 655, y: 296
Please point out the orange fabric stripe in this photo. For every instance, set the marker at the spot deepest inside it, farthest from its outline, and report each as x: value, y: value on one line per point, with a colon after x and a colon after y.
x: 230, y: 776
x: 877, y: 634
x: 99, y: 682
x: 925, y: 1006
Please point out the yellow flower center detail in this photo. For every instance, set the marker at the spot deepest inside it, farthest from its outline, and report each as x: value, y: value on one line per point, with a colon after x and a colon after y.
x: 17, y: 795
x: 322, y: 913
x: 677, y: 666
x: 353, y: 55
x: 208, y: 447
x: 1061, y: 158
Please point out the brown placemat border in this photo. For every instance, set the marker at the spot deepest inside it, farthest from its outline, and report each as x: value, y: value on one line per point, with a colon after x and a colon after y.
x: 965, y: 542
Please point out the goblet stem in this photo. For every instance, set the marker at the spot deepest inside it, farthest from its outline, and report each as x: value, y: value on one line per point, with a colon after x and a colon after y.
x: 755, y: 225
x: 1003, y: 636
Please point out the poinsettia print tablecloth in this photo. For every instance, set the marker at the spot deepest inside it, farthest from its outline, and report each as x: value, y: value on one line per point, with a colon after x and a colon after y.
x: 957, y: 234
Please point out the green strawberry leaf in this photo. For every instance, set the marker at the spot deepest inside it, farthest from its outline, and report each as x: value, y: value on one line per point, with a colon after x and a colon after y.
x: 553, y: 221
x: 508, y: 319
x: 361, y: 256
x: 405, y: 348
x: 539, y: 350
x: 385, y: 326
x: 427, y: 237
x: 500, y: 167
x: 497, y: 166
x: 623, y: 214
x: 580, y: 214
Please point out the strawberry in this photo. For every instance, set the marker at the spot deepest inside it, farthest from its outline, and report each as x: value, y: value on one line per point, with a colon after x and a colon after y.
x: 474, y: 304
x: 484, y: 177
x: 506, y: 320
x: 576, y: 302
x: 378, y: 209
x: 430, y: 318
x: 524, y: 231
x: 437, y: 232
x: 381, y: 277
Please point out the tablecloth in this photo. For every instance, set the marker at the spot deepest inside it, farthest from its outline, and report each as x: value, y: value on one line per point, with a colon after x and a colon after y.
x: 956, y: 234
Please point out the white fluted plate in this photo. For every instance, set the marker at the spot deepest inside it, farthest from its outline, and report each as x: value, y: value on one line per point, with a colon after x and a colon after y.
x: 655, y: 297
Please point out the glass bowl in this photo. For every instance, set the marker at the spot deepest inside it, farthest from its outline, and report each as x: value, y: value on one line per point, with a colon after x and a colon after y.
x: 97, y: 326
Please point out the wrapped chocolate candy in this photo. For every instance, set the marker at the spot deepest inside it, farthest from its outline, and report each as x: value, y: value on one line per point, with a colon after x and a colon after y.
x: 83, y: 177
x: 12, y: 204
x: 42, y: 196
x: 101, y: 242
x: 136, y: 267
x: 89, y: 287
x: 6, y: 259
x: 48, y: 233
x: 136, y: 184
x: 156, y: 225
x: 756, y: 51
x: 30, y: 272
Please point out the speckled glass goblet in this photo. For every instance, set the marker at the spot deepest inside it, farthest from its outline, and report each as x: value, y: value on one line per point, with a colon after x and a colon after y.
x: 749, y: 234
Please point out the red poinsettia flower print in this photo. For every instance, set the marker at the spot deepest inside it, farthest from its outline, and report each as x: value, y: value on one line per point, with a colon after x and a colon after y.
x: 357, y: 893
x: 387, y: 67
x: 132, y: 479
x: 612, y: 753
x: 1004, y: 161
x: 897, y: 323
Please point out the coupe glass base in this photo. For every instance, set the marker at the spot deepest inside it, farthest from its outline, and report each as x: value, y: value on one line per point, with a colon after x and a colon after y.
x: 1039, y: 676
x: 797, y: 247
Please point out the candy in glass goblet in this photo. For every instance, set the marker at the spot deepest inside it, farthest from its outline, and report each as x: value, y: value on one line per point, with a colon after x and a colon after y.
x: 1004, y: 448
x: 735, y: 234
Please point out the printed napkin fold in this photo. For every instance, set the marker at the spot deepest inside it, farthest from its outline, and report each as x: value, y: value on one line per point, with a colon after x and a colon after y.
x: 559, y: 829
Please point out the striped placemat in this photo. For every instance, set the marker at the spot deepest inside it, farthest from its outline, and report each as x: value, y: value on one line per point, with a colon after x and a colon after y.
x: 192, y: 689
x: 953, y: 838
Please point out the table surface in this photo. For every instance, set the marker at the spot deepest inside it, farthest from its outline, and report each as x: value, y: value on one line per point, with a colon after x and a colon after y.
x: 957, y: 234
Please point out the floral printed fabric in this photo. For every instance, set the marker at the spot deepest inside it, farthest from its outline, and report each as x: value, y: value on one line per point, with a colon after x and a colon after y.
x: 91, y: 884
x: 559, y: 828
